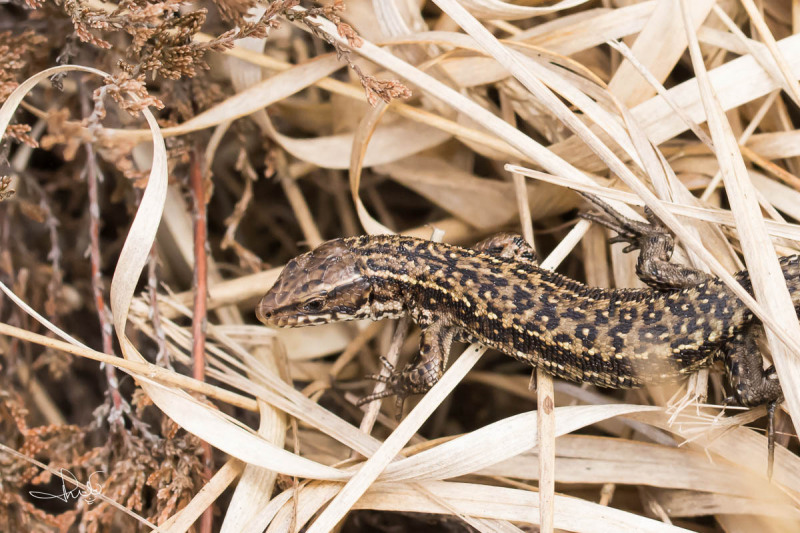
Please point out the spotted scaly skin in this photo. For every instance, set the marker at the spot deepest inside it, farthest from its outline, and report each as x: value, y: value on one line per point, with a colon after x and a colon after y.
x: 497, y: 295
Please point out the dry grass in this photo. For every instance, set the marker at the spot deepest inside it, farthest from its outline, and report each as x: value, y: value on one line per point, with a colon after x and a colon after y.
x: 462, y: 116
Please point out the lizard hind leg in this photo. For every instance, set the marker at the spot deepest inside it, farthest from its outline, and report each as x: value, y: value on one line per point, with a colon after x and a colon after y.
x: 751, y: 383
x: 655, y: 243
x: 509, y: 246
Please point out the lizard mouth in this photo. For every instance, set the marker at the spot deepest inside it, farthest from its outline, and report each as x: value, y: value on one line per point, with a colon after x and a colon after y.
x: 269, y: 319
x: 268, y: 316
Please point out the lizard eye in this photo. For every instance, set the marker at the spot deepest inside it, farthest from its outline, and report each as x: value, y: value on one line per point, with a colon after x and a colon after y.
x: 314, y: 305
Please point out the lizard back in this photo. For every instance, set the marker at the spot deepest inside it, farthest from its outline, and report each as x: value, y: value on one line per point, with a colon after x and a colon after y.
x: 609, y: 337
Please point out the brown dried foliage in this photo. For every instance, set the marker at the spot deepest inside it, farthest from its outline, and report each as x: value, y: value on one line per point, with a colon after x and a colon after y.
x: 235, y: 10
x: 169, y: 465
x: 57, y: 444
x: 16, y: 55
x: 125, y: 468
x: 6, y: 191
x: 154, y: 60
x: 375, y: 89
x: 16, y: 52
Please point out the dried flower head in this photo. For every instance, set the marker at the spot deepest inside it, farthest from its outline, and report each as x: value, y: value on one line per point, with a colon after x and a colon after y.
x: 235, y: 10
x: 16, y: 52
x: 374, y: 88
x: 19, y: 132
x: 128, y: 92
x: 386, y: 90
x: 5, y: 190
x: 85, y: 19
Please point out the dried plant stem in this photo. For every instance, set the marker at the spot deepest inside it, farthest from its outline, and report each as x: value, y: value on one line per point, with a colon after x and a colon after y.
x: 200, y: 221
x: 343, y: 206
x: 162, y: 357
x: 547, y: 449
x: 782, y: 174
x: 298, y: 203
x: 98, y: 289
x: 200, y: 317
x: 134, y: 368
x: 545, y: 397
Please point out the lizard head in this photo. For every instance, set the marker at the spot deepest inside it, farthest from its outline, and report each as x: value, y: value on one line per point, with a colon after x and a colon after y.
x: 317, y: 287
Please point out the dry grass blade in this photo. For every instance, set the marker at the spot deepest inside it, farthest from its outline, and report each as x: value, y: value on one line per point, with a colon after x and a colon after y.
x: 370, y: 471
x: 498, y: 9
x: 447, y: 120
x: 190, y: 414
x: 571, y: 514
x: 761, y: 260
x: 498, y: 442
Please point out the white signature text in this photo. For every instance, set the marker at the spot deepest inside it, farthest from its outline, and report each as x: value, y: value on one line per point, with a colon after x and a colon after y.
x: 89, y: 493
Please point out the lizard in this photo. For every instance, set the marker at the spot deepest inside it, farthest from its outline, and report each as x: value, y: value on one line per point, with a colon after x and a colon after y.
x: 496, y: 294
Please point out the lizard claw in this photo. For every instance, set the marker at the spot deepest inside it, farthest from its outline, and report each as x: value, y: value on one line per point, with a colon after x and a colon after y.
x: 631, y: 245
x: 394, y: 387
x: 385, y: 393
x: 399, y: 383
x: 383, y: 378
x: 730, y: 400
x: 771, y: 406
x: 628, y: 231
x: 400, y: 396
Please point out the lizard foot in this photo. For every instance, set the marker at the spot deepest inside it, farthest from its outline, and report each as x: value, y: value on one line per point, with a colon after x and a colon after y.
x: 771, y: 406
x: 771, y: 437
x: 635, y: 233
x: 655, y: 242
x: 399, y: 383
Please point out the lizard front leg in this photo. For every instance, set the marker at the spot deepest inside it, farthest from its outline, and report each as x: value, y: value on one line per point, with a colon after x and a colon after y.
x: 655, y: 243
x: 434, y: 350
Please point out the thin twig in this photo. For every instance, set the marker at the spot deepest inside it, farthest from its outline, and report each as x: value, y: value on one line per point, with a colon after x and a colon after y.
x: 98, y: 288
x: 162, y: 357
x: 136, y: 369
x: 199, y: 318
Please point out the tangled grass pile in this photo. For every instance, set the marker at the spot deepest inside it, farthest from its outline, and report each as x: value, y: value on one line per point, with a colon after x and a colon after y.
x: 211, y: 142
